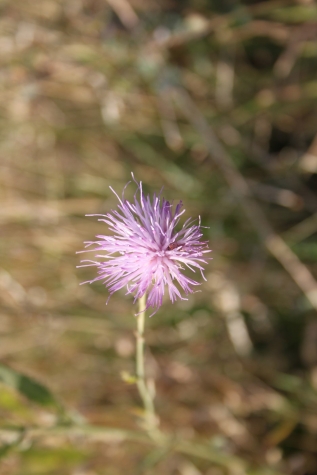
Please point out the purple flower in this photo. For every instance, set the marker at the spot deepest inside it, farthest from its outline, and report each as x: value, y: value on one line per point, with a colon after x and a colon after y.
x: 146, y: 253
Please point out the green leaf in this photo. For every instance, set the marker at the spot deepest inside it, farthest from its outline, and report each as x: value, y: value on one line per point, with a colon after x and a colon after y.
x: 27, y: 386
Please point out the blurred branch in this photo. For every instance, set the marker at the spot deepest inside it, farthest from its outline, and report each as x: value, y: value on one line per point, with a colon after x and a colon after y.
x: 169, y: 123
x: 266, y: 7
x: 308, y: 162
x: 125, y: 12
x: 302, y: 230
x: 273, y: 194
x: 275, y: 30
x: 201, y: 450
x: 288, y: 57
x: 178, y: 39
x: 225, y: 78
x: 266, y: 161
x: 227, y: 300
x: 239, y: 186
x: 220, y: 24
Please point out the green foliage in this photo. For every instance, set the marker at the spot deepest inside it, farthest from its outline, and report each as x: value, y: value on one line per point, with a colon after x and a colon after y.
x: 37, y: 461
x: 27, y: 386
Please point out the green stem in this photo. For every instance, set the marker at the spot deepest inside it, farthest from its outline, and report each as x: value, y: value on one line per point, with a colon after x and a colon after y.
x: 145, y: 393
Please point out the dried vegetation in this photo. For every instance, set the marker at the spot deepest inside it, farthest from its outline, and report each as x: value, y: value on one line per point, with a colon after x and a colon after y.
x: 215, y: 101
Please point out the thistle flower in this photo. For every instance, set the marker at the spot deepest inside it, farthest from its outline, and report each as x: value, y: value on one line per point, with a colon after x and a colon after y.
x: 146, y: 253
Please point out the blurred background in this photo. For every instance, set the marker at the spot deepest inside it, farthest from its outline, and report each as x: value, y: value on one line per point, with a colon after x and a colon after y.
x: 215, y: 101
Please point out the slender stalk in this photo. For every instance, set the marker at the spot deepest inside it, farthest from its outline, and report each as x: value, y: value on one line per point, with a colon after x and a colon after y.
x: 145, y: 393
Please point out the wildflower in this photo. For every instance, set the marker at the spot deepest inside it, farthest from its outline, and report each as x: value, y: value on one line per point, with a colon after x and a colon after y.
x: 146, y: 253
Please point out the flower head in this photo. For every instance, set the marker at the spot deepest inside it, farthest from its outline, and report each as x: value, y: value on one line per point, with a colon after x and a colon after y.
x: 146, y: 253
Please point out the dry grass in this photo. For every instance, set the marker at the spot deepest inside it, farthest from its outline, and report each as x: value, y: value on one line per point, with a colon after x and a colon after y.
x: 89, y: 91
